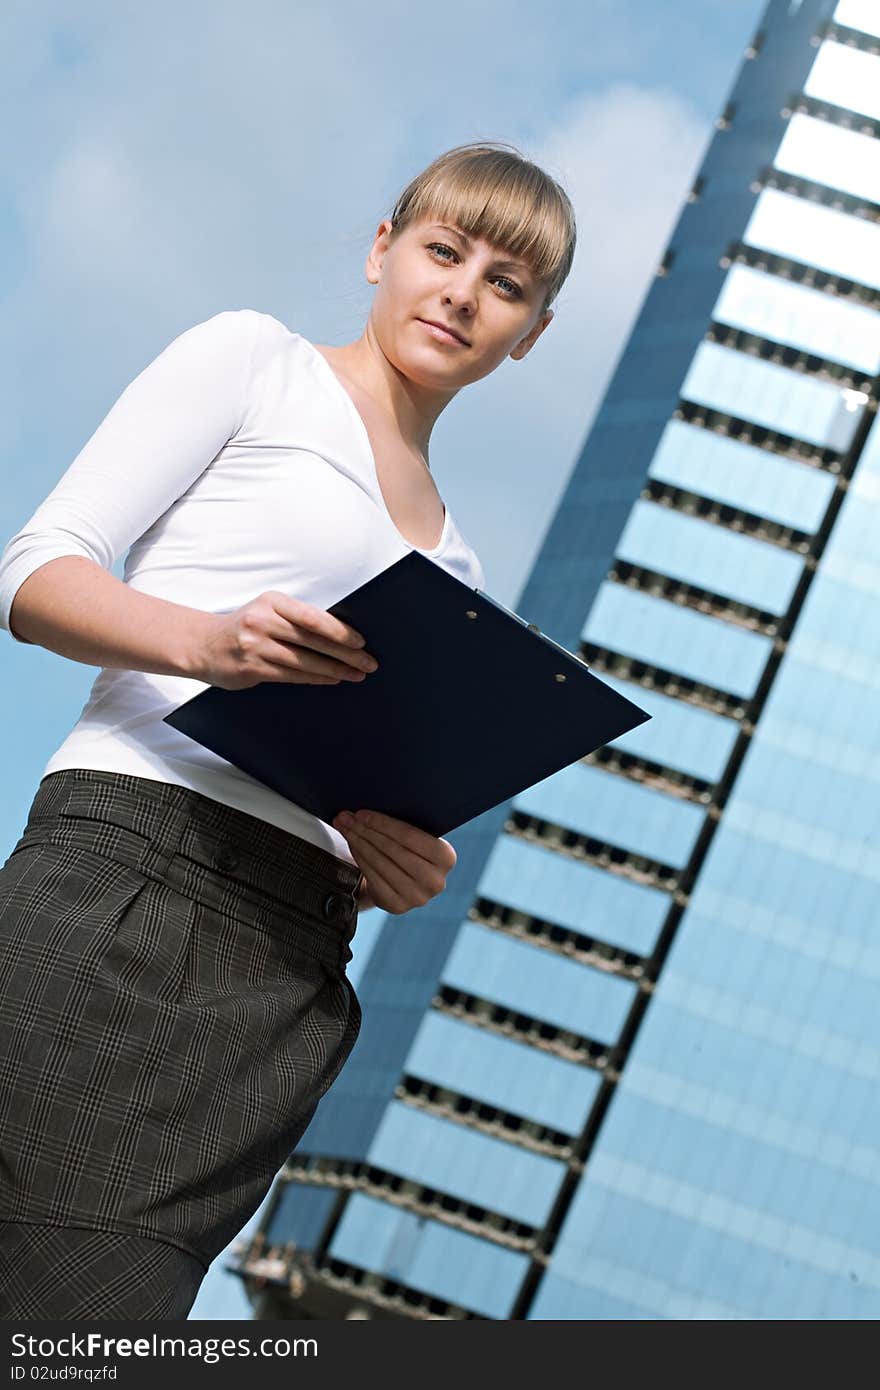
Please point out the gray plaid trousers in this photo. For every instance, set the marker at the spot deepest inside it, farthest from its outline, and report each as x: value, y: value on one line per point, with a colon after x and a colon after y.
x: 173, y: 1005
x: 64, y: 1272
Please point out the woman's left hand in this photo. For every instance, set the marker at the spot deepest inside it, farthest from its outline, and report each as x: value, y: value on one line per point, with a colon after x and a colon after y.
x: 405, y: 867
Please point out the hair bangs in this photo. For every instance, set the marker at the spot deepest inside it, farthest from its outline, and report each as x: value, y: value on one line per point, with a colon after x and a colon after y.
x: 492, y: 191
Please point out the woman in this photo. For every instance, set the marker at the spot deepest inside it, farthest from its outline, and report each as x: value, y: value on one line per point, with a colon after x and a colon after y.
x: 173, y: 933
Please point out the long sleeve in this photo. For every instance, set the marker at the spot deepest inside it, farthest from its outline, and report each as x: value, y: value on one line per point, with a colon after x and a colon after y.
x: 168, y: 425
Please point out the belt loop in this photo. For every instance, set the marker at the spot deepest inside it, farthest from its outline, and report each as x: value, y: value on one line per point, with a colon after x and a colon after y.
x: 164, y: 844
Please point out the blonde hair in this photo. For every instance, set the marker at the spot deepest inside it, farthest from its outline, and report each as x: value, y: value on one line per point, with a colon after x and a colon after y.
x: 489, y: 189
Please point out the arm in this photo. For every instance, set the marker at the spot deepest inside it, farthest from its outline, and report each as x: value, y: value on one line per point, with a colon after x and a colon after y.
x: 72, y: 606
x: 160, y: 435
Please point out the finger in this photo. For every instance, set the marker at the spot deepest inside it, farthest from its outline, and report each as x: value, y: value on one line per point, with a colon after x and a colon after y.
x: 305, y: 643
x: 369, y: 860
x: 424, y: 873
x: 400, y: 833
x: 320, y: 625
x: 288, y: 657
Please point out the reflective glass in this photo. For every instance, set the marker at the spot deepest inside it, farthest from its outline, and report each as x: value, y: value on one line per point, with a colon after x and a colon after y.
x: 802, y: 835
x: 557, y: 888
x: 809, y: 319
x: 675, y: 638
x: 777, y: 397
x: 699, y: 552
x: 559, y: 1299
x: 802, y: 990
x: 786, y: 784
x: 832, y: 725
x: 716, y: 1039
x: 784, y: 893
x: 678, y: 735
x: 741, y: 475
x: 538, y: 983
x: 617, y: 811
x: 846, y: 77
x: 429, y: 1256
x: 858, y: 14
x: 830, y: 154
x: 514, y: 1076
x: 744, y: 1169
x: 454, y: 1158
x: 681, y: 1252
x: 753, y: 1122
x: 816, y: 235
x: 838, y: 628
x: 300, y: 1213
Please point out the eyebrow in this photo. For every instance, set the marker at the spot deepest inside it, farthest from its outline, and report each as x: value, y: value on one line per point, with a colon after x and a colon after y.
x: 505, y: 265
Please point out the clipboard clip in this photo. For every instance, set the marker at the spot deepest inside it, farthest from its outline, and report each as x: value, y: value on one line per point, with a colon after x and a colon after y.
x: 533, y: 627
x: 509, y: 611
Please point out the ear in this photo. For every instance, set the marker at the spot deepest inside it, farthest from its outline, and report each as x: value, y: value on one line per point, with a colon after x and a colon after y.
x: 526, y: 344
x: 373, y: 266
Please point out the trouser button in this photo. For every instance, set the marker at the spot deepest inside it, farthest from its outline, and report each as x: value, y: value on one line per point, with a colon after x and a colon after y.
x: 332, y: 906
x: 227, y: 858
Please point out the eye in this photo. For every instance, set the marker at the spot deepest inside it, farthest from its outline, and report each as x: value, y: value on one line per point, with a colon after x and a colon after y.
x: 513, y: 293
x: 515, y: 289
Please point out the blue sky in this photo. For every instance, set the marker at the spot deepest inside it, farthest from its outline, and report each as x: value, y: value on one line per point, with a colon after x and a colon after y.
x: 168, y: 162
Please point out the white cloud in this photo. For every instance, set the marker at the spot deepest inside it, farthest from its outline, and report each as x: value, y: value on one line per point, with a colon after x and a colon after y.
x: 225, y: 161
x: 626, y: 156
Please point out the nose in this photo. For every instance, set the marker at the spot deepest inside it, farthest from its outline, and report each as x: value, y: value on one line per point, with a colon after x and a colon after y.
x: 461, y: 298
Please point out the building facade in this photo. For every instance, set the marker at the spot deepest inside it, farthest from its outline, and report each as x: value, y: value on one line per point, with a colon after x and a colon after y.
x: 623, y: 1067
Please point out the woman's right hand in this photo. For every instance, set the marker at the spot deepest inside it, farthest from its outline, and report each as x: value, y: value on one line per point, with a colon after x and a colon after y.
x: 275, y: 637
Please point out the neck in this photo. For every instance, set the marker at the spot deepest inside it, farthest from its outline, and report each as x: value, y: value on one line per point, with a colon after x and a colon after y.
x: 413, y: 408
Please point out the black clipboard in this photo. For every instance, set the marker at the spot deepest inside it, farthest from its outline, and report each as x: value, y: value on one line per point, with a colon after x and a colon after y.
x: 469, y: 706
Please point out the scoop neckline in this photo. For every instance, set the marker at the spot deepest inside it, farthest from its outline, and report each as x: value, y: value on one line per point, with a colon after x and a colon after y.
x: 368, y: 449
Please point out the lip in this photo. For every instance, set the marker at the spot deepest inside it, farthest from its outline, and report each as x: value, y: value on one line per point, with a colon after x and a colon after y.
x: 443, y: 333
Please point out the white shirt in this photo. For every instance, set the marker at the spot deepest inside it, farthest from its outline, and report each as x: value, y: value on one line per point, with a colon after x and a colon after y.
x: 236, y: 462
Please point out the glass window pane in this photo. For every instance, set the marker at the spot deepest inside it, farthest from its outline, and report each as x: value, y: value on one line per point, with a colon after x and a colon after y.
x: 859, y: 14
x: 778, y: 976
x: 556, y: 888
x: 300, y: 1213
x: 782, y: 893
x: 677, y: 639
x: 825, y: 717
x: 535, y: 981
x: 806, y: 318
x: 559, y: 1299
x: 474, y: 1167
x: 751, y: 389
x: 830, y: 154
x: 816, y: 235
x: 429, y: 1256
x: 513, y: 1076
x: 838, y: 629
x: 678, y: 735
x: 685, y: 1250
x: 617, y: 811
x: 742, y: 475
x: 699, y: 552
x: 847, y: 77
x: 781, y: 783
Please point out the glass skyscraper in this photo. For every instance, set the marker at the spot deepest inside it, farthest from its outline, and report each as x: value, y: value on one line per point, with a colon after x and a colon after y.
x: 624, y: 1066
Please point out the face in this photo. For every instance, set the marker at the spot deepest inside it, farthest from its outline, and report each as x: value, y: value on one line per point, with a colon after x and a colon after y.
x: 433, y: 272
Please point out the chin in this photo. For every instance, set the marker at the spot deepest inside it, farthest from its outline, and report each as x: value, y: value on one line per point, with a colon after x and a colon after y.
x: 421, y: 366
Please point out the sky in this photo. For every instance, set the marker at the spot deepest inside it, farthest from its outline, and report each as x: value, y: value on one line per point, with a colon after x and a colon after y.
x: 162, y: 163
